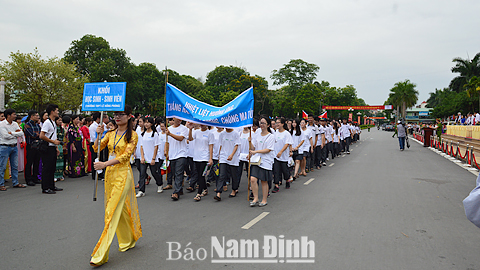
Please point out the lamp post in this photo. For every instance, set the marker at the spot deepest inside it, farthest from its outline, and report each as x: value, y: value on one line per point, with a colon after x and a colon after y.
x: 2, y: 94
x: 358, y: 114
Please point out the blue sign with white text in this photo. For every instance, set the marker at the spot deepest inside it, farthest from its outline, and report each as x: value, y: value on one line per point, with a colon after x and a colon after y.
x: 237, y: 113
x: 104, y: 96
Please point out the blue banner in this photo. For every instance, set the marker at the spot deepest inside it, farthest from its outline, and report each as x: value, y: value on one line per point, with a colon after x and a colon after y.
x: 237, y: 113
x: 104, y: 96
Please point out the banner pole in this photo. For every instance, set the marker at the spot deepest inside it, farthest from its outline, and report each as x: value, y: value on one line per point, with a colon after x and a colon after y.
x: 248, y: 177
x: 166, y: 121
x: 99, y: 137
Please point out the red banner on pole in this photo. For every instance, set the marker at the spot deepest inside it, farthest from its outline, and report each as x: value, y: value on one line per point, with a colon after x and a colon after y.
x: 379, y: 107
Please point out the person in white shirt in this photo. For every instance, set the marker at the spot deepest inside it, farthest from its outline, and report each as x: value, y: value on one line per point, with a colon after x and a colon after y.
x: 244, y: 149
x: 262, y: 145
x: 229, y: 159
x: 162, y: 136
x: 315, y: 132
x: 49, y: 157
x: 9, y: 132
x: 329, y: 138
x: 307, y: 147
x: 298, y: 139
x: 346, y: 136
x: 322, y: 144
x: 213, y: 175
x: 92, y: 129
x: 138, y: 155
x: 177, y: 154
x: 170, y: 173
x: 282, y: 152
x: 202, y: 156
x: 336, y: 140
x: 148, y: 151
x: 190, y: 170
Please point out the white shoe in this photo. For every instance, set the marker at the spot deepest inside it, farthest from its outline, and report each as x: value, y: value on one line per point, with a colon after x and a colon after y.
x: 140, y: 194
x: 328, y: 159
x: 160, y: 189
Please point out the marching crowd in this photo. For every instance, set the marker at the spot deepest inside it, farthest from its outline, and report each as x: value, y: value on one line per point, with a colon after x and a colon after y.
x: 49, y: 148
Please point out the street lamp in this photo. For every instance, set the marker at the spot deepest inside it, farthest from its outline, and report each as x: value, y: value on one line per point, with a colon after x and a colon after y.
x: 358, y: 114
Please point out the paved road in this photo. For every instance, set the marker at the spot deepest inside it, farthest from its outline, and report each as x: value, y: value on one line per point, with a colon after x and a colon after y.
x: 377, y: 208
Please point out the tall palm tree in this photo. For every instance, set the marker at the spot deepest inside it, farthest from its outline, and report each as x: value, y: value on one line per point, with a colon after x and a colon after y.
x: 404, y: 95
x: 467, y: 69
x: 473, y: 87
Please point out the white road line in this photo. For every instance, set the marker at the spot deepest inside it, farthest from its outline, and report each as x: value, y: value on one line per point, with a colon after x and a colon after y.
x: 309, y: 181
x: 331, y: 165
x: 255, y: 220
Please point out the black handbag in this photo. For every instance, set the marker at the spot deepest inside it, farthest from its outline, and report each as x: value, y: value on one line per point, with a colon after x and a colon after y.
x: 36, y: 144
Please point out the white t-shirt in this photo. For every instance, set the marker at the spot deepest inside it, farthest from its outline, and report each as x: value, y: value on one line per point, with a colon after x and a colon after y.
x: 336, y: 138
x: 265, y: 142
x: 314, y: 130
x: 244, y: 145
x: 227, y: 141
x: 178, y: 149
x: 92, y: 129
x: 50, y: 127
x: 328, y: 133
x: 282, y: 138
x: 148, y: 145
x: 191, y: 145
x: 216, y: 143
x: 306, y: 144
x: 138, y: 155
x: 298, y: 139
x: 321, y: 130
x: 203, y: 140
x: 161, y: 147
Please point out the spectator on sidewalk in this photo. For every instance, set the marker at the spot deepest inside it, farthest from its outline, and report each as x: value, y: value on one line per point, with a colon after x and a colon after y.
x: 32, y: 133
x: 9, y: 132
x: 49, y: 156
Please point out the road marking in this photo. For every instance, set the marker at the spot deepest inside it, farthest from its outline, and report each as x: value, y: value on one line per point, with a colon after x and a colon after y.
x: 331, y: 165
x: 343, y: 156
x: 255, y: 220
x: 309, y: 181
x: 356, y: 145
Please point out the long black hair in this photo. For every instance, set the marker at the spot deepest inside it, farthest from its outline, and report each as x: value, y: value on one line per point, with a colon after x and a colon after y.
x: 128, y: 135
x: 154, y: 128
x: 298, y: 131
x: 268, y: 122
x: 335, y: 126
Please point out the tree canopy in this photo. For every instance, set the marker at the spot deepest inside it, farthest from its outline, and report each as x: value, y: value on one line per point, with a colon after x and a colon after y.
x: 34, y: 82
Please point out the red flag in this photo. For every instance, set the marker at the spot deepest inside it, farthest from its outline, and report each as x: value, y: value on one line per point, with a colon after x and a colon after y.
x: 324, y: 115
x: 304, y: 115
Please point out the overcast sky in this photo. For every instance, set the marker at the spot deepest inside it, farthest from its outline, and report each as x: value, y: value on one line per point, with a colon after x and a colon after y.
x: 370, y: 44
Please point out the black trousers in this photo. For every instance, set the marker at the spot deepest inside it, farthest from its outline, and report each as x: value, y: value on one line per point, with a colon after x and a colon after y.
x: 155, y: 173
x: 227, y: 172
x: 191, y: 172
x: 280, y: 168
x: 200, y: 167
x: 33, y: 162
x: 49, y: 162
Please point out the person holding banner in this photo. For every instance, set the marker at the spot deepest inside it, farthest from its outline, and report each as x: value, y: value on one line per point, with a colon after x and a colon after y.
x: 229, y: 159
x: 203, y: 153
x: 261, y: 146
x: 177, y: 154
x: 121, y: 210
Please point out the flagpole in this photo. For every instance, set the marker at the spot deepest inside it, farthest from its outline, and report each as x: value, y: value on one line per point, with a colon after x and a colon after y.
x: 99, y: 137
x: 166, y: 122
x: 248, y: 177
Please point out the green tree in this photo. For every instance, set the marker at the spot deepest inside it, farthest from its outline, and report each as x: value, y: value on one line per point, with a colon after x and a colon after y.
x: 473, y: 88
x: 37, y: 82
x: 94, y: 58
x: 220, y: 78
x: 295, y: 74
x: 403, y: 95
x: 145, y: 89
x: 82, y: 52
x: 260, y: 91
x: 467, y: 69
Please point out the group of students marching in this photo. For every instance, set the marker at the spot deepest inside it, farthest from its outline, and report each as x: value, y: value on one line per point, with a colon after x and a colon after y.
x: 280, y: 151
